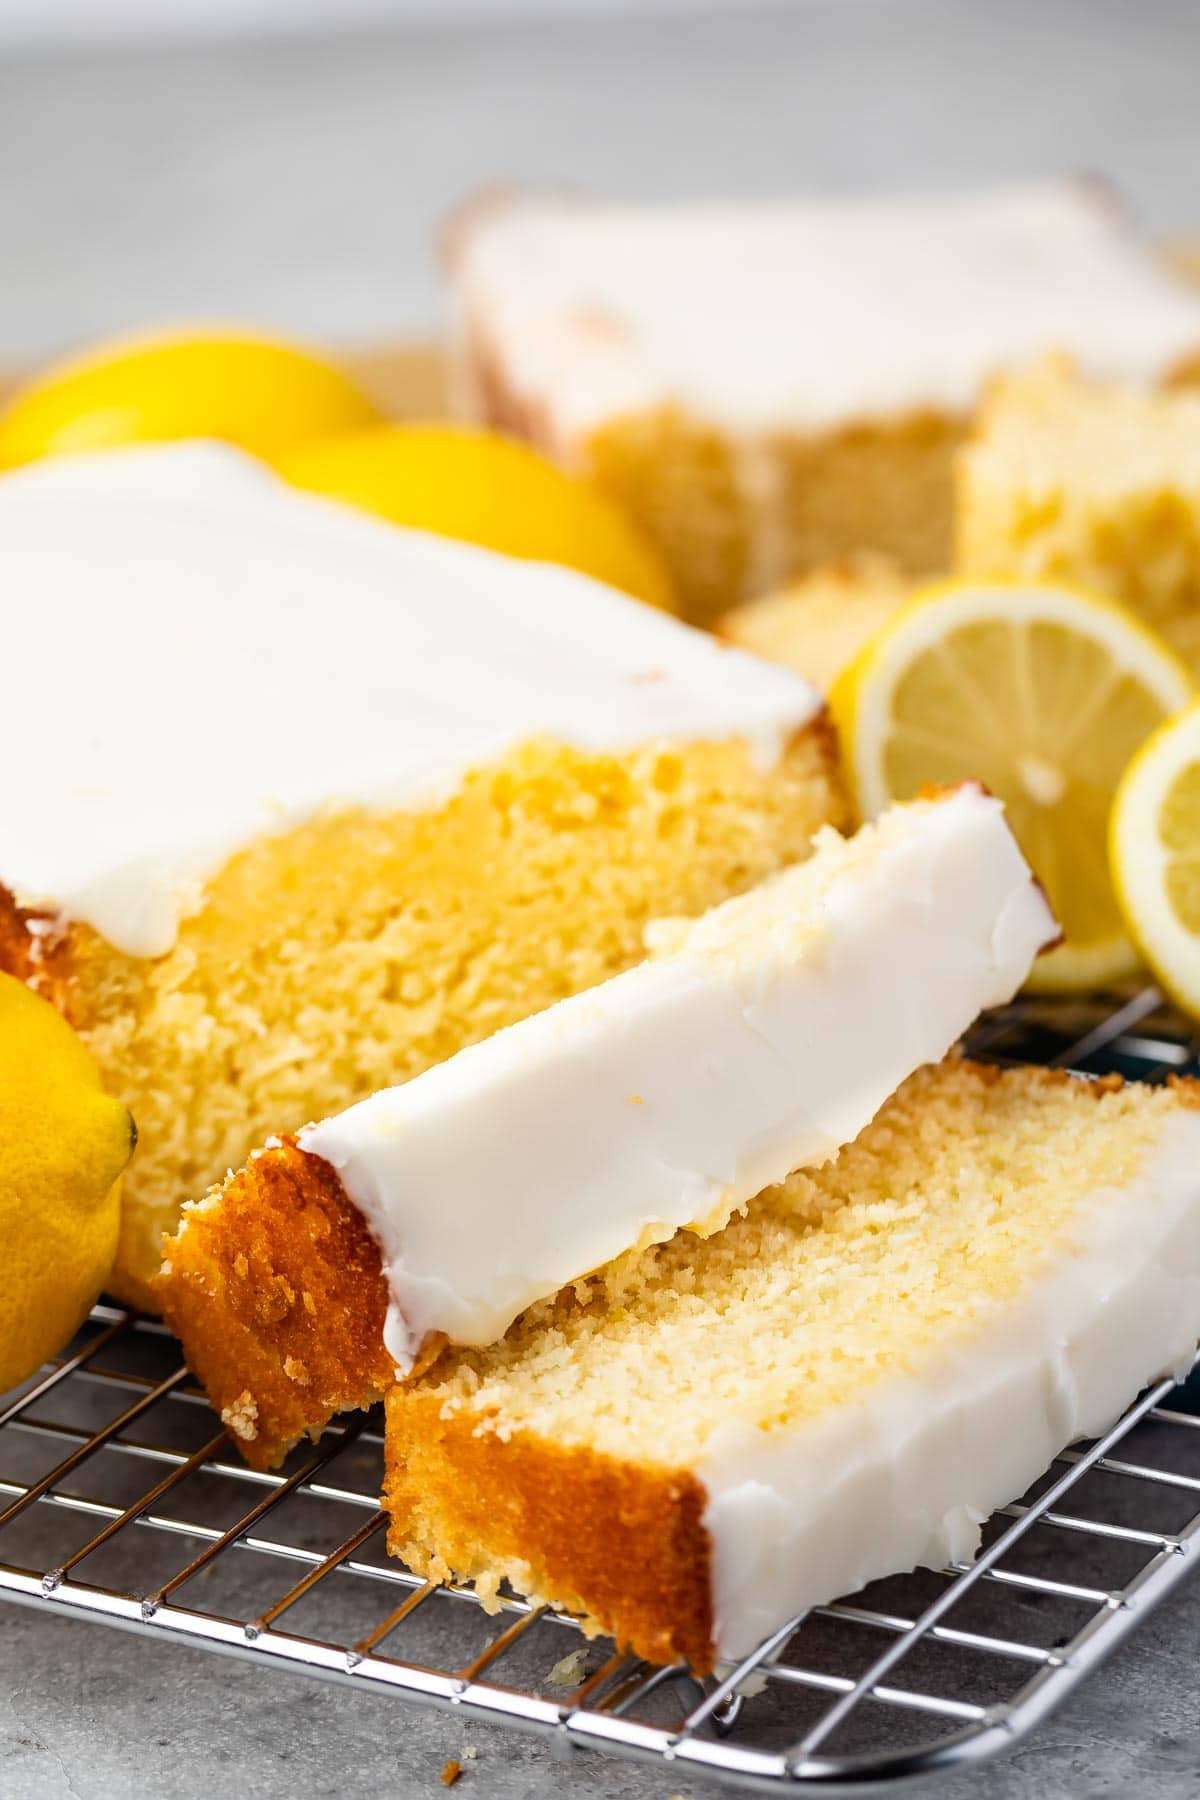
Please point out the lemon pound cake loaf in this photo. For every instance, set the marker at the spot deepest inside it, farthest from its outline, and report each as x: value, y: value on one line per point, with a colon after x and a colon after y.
x: 758, y: 1038
x: 1094, y: 483
x: 768, y: 387
x: 840, y: 1385
x: 818, y: 624
x: 311, y: 801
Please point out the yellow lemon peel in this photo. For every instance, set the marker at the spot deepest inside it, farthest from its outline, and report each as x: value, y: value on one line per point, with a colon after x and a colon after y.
x: 1044, y: 694
x: 486, y: 489
x: 63, y: 1145
x: 1154, y: 849
x: 260, y: 393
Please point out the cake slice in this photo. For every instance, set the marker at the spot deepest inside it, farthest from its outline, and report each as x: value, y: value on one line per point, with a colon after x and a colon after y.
x: 302, y: 803
x: 1091, y: 483
x: 767, y: 387
x: 759, y: 1037
x: 818, y: 624
x: 841, y: 1385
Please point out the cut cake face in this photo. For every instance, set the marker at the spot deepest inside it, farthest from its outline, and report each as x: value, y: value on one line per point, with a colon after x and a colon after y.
x: 1093, y: 483
x: 841, y: 1385
x: 771, y: 386
x: 818, y: 623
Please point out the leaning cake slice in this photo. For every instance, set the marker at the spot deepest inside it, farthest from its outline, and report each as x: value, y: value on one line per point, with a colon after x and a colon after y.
x: 839, y: 1386
x: 758, y: 1038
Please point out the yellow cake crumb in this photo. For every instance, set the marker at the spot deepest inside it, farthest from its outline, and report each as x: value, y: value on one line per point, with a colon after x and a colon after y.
x: 568, y: 1670
x: 568, y: 1459
x: 818, y: 624
x: 242, y: 1417
x: 957, y: 1189
x: 1097, y: 485
x: 352, y: 952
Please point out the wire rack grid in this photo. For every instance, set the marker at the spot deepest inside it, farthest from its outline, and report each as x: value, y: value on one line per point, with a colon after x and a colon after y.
x: 122, y: 1502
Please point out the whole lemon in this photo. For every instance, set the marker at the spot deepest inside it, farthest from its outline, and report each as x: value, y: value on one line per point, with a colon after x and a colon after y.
x: 257, y: 392
x: 63, y: 1145
x: 486, y: 489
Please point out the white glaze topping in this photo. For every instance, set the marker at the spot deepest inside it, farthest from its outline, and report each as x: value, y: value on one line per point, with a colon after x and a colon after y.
x: 763, y: 1036
x: 812, y: 314
x: 195, y: 653
x: 906, y: 1477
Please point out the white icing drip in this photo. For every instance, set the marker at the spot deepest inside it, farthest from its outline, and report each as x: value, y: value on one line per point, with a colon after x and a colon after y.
x: 811, y: 315
x: 765, y: 1037
x: 906, y: 1477
x: 194, y: 653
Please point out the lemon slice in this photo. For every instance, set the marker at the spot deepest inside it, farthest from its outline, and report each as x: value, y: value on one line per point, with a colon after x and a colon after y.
x: 1155, y: 853
x: 1042, y: 693
x: 477, y: 485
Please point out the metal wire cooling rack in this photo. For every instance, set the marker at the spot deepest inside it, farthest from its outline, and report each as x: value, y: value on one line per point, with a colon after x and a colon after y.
x: 121, y: 1502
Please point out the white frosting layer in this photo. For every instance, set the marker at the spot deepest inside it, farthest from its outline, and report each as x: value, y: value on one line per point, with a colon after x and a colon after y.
x: 806, y: 316
x: 905, y: 1478
x: 195, y: 653
x: 765, y: 1037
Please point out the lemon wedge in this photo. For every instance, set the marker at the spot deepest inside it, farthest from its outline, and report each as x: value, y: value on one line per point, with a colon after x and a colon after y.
x: 1154, y: 847
x: 1042, y: 693
x: 258, y: 392
x: 466, y: 483
x: 63, y: 1145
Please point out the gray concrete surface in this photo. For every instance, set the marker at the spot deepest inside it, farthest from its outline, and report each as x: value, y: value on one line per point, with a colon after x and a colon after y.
x: 87, y: 1713
x: 299, y: 185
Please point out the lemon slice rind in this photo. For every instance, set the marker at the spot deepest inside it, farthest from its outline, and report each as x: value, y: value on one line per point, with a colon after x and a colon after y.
x: 1139, y: 859
x: 862, y: 698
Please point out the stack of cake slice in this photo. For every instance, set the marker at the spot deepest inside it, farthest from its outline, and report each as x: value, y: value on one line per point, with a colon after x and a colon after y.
x: 760, y: 1037
x: 901, y: 1285
x: 701, y: 1280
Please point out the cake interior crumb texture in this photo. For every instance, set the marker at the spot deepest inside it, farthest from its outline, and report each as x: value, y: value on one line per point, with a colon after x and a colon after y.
x: 568, y: 1458
x: 1093, y: 484
x: 818, y: 624
x: 351, y: 952
x: 736, y: 520
x: 769, y: 387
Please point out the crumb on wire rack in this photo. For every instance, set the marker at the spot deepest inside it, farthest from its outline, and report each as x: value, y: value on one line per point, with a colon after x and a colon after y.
x: 568, y: 1671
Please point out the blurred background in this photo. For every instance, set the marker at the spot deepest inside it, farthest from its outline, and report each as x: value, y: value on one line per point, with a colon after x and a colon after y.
x: 287, y: 161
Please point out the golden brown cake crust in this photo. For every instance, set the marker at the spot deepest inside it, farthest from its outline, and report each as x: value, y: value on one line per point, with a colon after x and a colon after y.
x: 276, y: 1291
x: 622, y: 1544
x: 36, y: 950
